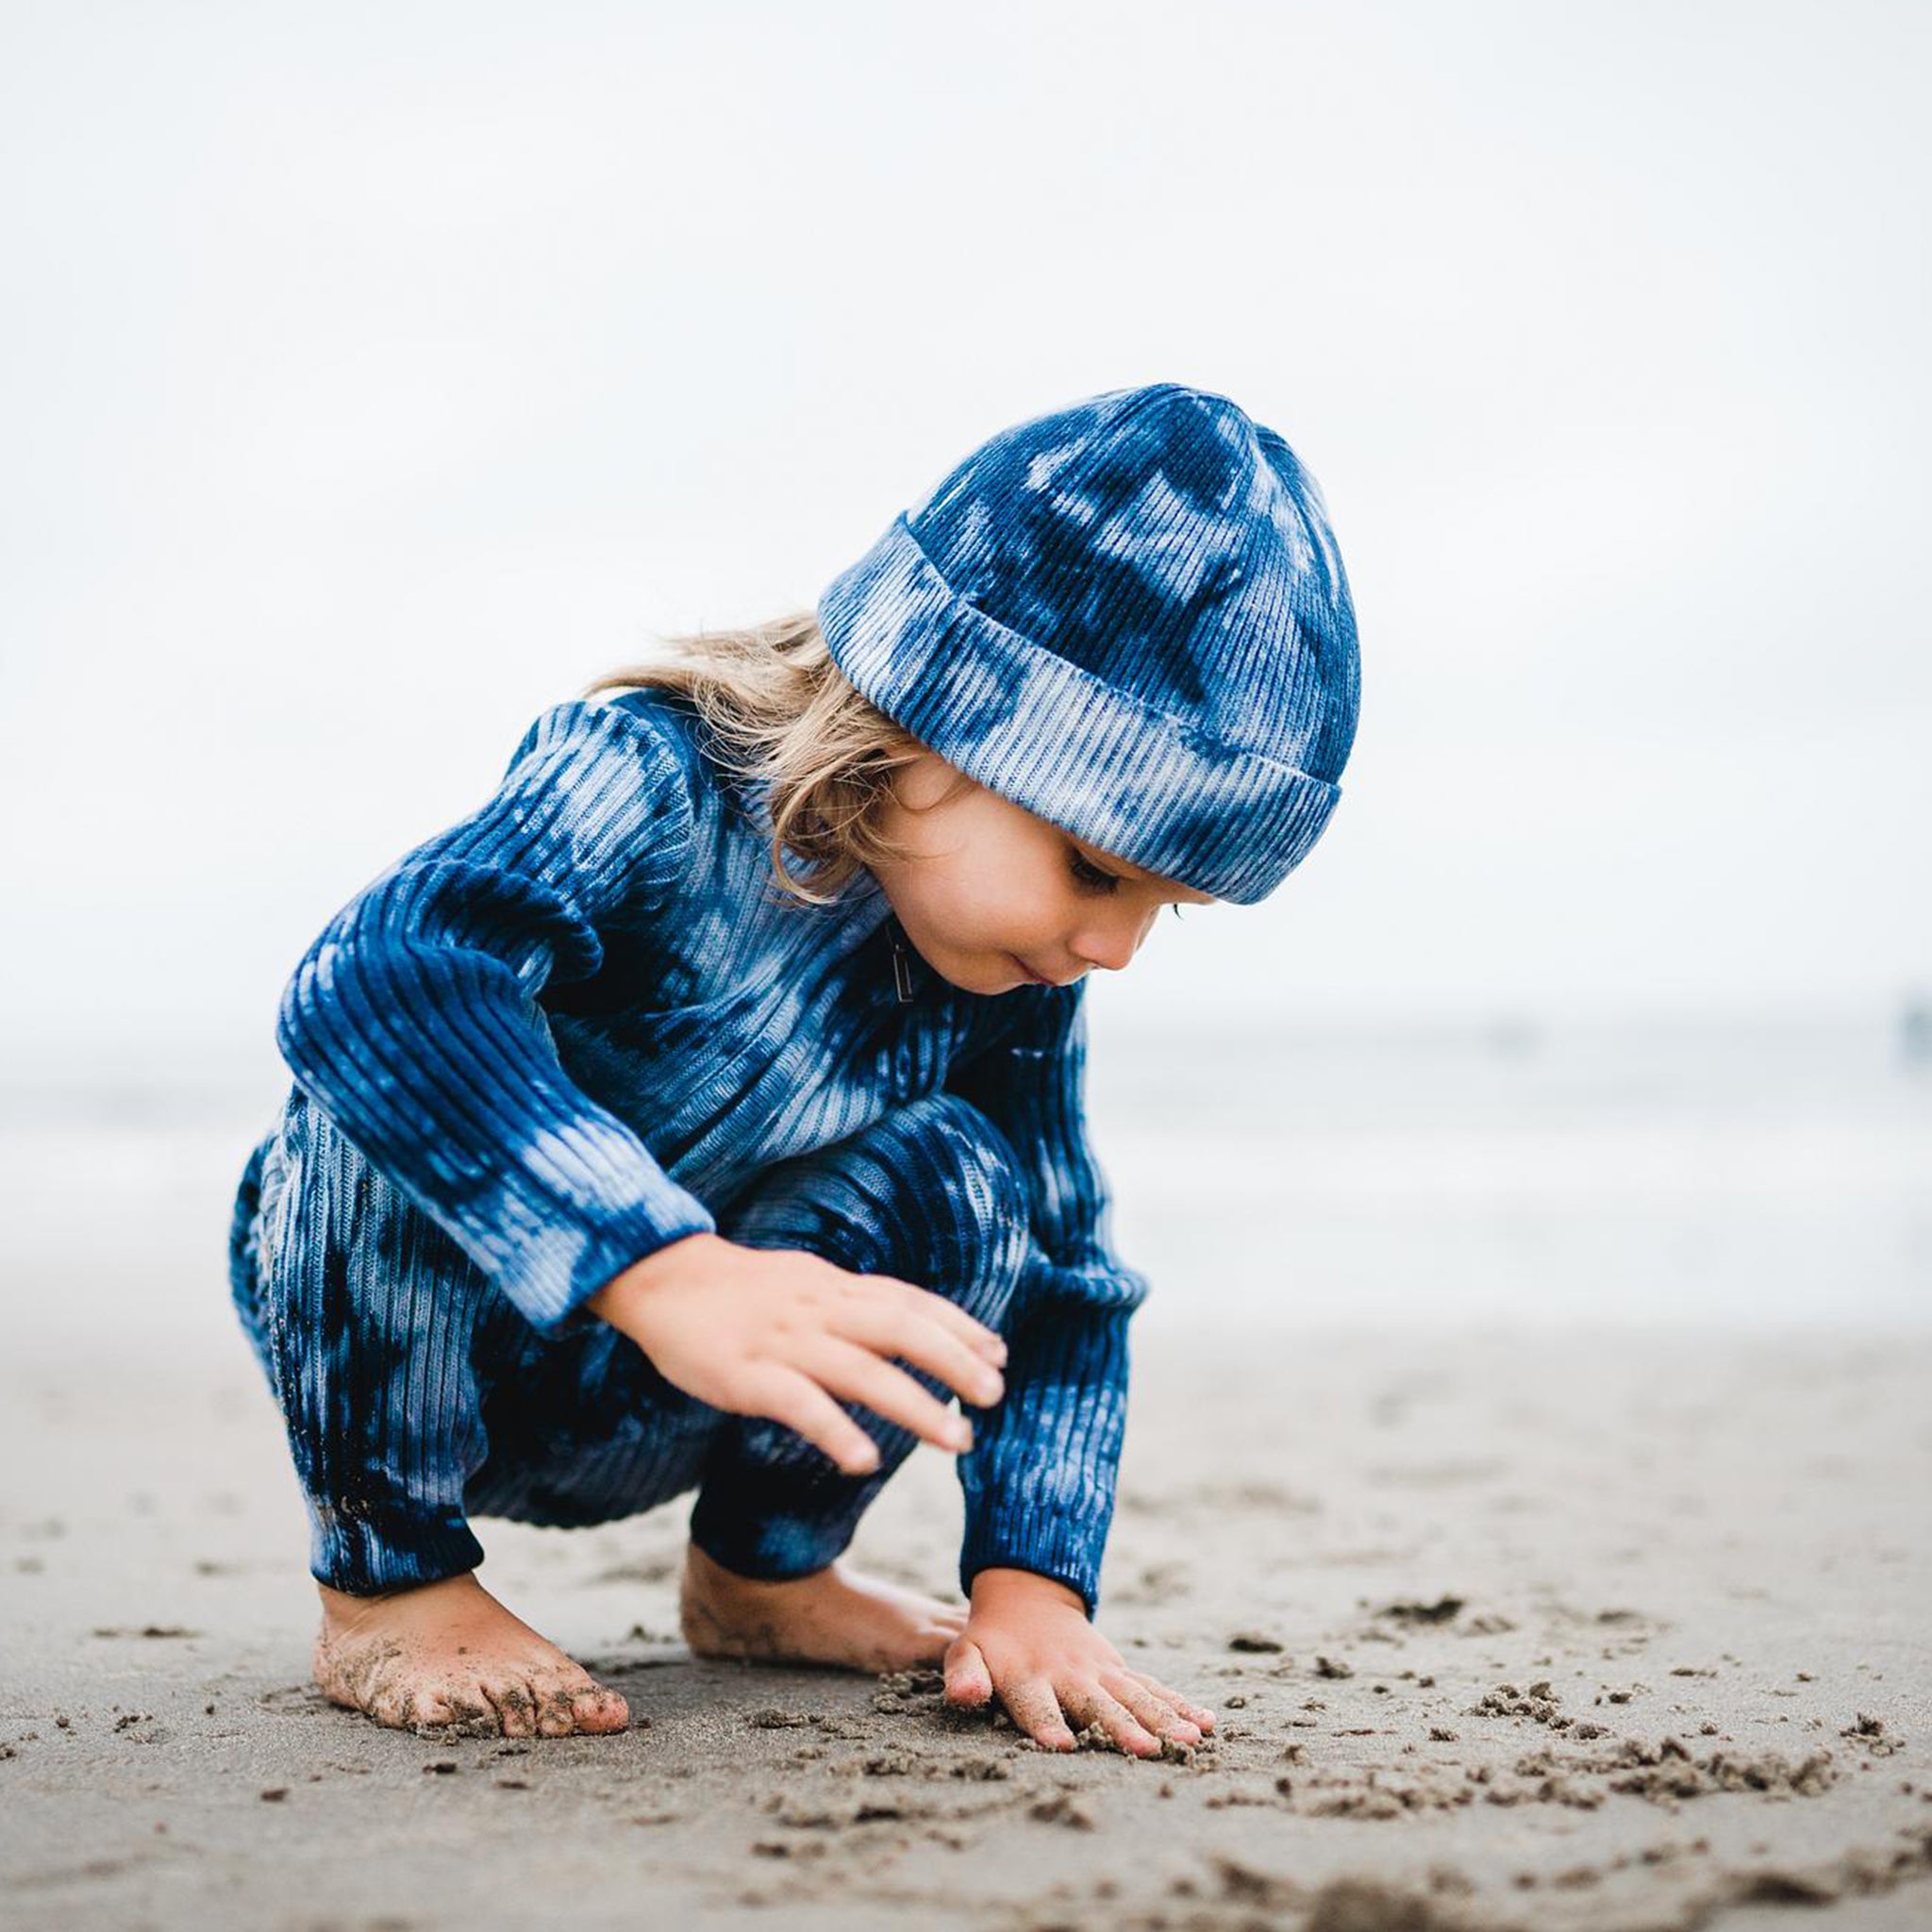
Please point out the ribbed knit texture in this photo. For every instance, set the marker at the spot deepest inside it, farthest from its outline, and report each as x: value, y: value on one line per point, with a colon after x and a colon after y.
x: 574, y: 1025
x: 1129, y: 616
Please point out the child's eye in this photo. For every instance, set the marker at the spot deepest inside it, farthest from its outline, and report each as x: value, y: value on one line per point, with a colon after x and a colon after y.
x: 1091, y: 875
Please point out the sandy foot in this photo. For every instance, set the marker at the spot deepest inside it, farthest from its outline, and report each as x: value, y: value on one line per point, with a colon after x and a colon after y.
x: 831, y: 1617
x: 448, y: 1653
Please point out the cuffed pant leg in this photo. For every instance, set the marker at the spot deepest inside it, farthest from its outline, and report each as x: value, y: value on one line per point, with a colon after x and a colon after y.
x: 368, y: 1318
x: 928, y: 1194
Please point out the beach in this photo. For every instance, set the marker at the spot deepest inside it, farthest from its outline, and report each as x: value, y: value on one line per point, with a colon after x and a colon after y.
x: 1594, y: 1631
x: 1572, y: 1613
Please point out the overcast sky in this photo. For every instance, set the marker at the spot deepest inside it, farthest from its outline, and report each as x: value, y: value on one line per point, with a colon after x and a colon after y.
x: 374, y: 376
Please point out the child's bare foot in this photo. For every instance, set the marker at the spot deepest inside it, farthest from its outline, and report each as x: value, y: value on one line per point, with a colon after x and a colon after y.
x: 830, y: 1617
x: 448, y: 1653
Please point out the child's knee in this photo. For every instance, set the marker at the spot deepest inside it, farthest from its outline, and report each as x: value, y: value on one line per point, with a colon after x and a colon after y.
x: 976, y: 1205
x: 982, y: 1155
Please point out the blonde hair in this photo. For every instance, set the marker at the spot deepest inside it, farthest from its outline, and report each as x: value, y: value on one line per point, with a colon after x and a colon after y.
x: 779, y: 712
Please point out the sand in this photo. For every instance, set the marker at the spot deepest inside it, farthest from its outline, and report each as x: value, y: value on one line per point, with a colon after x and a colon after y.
x: 1564, y: 1630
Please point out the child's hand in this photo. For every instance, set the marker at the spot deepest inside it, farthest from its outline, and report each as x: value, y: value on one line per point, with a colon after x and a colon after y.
x: 1027, y: 1637
x: 780, y: 1332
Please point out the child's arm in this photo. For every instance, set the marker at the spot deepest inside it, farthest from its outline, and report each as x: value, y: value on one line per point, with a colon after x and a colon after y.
x: 1039, y: 1481
x: 412, y: 1018
x: 413, y: 1021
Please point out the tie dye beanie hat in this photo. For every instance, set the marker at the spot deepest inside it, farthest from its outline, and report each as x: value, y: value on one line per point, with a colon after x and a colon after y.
x: 1128, y: 616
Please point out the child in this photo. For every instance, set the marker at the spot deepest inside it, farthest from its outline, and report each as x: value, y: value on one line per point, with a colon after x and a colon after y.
x: 607, y: 1176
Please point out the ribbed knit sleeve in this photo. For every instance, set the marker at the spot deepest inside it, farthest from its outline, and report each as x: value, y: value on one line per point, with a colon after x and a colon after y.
x: 413, y: 1021
x: 1039, y: 1480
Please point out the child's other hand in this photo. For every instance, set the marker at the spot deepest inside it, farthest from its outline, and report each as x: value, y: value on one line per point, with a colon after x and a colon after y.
x: 1027, y: 1639
x: 781, y: 1333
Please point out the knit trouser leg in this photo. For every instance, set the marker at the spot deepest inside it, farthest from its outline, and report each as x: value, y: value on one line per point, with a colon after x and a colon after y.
x: 583, y: 1429
x: 368, y: 1317
x: 928, y: 1194
x: 244, y: 1229
x: 413, y: 1392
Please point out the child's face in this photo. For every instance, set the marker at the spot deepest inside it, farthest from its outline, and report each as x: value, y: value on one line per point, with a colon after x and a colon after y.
x: 995, y: 894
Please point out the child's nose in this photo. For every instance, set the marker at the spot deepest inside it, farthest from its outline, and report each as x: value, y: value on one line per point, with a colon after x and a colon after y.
x: 1114, y: 945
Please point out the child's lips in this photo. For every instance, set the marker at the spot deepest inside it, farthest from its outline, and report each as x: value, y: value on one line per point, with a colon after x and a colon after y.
x: 1040, y: 979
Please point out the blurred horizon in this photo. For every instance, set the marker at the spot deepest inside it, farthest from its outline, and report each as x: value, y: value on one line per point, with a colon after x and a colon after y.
x: 206, y: 1075
x: 1741, y: 1174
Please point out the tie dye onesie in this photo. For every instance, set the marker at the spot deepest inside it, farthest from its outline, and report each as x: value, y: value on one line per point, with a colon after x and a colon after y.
x: 579, y: 1025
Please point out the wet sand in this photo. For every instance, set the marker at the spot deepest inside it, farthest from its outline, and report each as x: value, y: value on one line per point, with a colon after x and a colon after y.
x: 1573, y: 1630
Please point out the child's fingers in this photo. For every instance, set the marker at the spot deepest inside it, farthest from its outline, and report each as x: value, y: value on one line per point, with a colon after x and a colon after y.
x: 1032, y: 1706
x: 799, y: 1403
x: 1154, y: 1712
x: 949, y: 1315
x: 858, y: 1376
x: 890, y: 1329
x: 1087, y: 1703
x: 968, y: 1680
x: 1204, y: 1720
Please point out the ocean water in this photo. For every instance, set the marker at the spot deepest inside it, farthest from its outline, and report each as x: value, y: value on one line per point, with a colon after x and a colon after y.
x: 1749, y: 1174
x: 1760, y: 1175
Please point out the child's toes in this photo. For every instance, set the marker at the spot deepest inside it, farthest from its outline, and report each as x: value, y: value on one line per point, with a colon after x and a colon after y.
x: 555, y: 1717
x: 599, y: 1710
x: 516, y: 1709
x: 394, y: 1708
x: 432, y: 1709
x: 563, y: 1701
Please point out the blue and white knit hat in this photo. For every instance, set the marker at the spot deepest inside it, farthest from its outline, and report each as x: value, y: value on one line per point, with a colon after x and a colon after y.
x: 1130, y: 617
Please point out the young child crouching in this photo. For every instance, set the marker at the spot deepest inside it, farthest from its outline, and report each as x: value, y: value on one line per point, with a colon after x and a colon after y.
x: 704, y: 1113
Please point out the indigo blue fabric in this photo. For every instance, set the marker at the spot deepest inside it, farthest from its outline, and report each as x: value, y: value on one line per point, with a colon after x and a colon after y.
x: 584, y: 1022
x: 1129, y: 616
x: 415, y: 1395
x: 580, y: 1024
